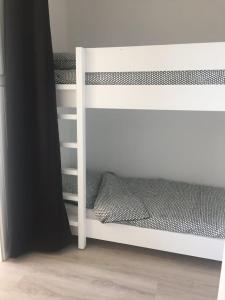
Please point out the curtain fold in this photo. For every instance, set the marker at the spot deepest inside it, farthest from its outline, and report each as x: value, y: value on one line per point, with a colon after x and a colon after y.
x: 36, y: 212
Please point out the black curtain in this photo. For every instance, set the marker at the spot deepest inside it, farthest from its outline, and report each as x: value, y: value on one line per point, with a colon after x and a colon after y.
x: 36, y: 212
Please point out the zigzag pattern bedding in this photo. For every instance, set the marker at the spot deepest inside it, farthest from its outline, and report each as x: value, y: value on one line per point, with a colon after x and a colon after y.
x: 65, y: 76
x: 64, y: 61
x: 168, y: 205
x: 93, y: 181
x: 201, y: 77
x: 65, y: 73
x: 155, y: 203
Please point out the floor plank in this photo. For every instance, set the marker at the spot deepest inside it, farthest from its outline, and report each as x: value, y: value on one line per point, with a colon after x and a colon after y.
x: 107, y: 271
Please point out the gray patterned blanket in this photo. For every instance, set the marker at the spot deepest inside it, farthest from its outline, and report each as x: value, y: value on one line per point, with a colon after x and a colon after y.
x: 65, y: 66
x: 162, y: 204
x: 201, y: 77
x: 65, y: 76
x: 64, y: 61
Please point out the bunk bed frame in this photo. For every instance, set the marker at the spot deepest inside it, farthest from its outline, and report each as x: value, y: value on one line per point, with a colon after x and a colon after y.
x: 130, y: 61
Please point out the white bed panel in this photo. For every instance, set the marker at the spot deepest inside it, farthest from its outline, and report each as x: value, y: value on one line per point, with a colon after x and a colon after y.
x: 192, y: 98
x: 197, y: 56
x: 186, y: 244
x: 221, y: 293
x: 148, y: 58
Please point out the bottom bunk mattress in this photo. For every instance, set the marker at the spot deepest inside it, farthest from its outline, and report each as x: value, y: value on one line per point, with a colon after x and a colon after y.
x: 158, y: 204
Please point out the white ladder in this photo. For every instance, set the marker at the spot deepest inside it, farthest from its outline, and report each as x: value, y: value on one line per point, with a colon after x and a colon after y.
x: 79, y: 219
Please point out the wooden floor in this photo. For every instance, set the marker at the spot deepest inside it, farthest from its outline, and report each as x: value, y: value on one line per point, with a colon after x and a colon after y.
x: 106, y: 271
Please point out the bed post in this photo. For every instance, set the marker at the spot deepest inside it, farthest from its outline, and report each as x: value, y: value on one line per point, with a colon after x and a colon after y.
x: 221, y: 292
x: 81, y: 148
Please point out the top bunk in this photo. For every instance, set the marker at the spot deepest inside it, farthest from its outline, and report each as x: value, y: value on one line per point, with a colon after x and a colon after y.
x: 166, y: 77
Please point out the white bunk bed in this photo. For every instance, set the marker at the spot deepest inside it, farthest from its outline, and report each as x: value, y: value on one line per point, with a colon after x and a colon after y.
x: 122, y: 71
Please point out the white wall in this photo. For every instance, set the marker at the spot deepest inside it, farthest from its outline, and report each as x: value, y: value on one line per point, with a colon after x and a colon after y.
x: 91, y: 23
x: 59, y: 24
x: 3, y: 210
x: 1, y: 42
x: 184, y: 146
x: 3, y: 213
x: 178, y: 145
x: 139, y: 22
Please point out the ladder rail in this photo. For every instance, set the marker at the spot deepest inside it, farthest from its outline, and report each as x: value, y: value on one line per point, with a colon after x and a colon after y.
x: 78, y: 219
x: 81, y: 141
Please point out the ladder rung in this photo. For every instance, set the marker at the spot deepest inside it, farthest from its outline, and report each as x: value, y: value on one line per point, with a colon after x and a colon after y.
x: 73, y: 223
x: 70, y: 197
x: 70, y: 171
x: 66, y: 86
x: 68, y: 145
x: 67, y: 116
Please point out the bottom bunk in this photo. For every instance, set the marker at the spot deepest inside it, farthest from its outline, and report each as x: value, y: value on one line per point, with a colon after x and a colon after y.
x: 180, y: 243
x: 154, y: 213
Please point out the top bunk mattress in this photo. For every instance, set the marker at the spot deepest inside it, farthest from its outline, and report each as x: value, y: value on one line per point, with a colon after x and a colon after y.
x: 65, y: 73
